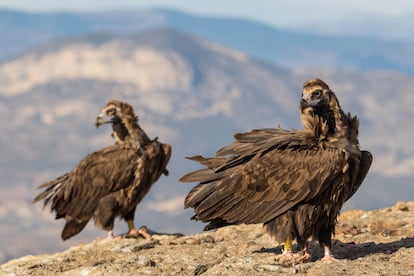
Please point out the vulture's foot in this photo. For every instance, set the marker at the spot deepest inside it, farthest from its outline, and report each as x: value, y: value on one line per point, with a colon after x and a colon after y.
x: 140, y: 232
x: 143, y: 231
x: 133, y: 233
x: 329, y: 258
x: 328, y: 254
x: 290, y: 257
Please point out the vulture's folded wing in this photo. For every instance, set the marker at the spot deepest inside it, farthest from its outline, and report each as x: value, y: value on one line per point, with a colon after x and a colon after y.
x: 77, y: 193
x: 258, y: 186
x: 362, y: 171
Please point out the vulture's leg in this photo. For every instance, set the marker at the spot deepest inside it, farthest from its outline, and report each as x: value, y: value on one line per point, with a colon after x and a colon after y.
x: 303, y: 251
x: 129, y: 218
x: 131, y: 227
x: 110, y: 235
x: 132, y: 230
x: 287, y: 247
x: 325, y: 240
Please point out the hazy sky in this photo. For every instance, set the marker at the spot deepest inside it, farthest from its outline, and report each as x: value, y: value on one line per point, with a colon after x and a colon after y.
x: 275, y: 12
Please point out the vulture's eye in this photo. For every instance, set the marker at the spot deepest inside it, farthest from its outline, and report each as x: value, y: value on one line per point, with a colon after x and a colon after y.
x: 111, y: 112
x: 317, y: 93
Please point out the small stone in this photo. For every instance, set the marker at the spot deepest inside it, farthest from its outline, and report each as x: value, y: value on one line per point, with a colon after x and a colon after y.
x: 200, y: 269
x: 143, y: 246
x: 192, y: 241
x: 401, y: 206
x: 251, y: 243
x: 145, y: 261
x: 267, y: 267
x: 207, y: 239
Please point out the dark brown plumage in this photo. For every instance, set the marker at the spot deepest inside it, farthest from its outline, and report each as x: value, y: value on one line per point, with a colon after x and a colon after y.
x: 110, y: 182
x: 293, y: 181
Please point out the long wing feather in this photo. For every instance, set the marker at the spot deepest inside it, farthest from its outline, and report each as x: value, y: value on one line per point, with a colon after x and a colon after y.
x: 361, y: 172
x: 266, y: 173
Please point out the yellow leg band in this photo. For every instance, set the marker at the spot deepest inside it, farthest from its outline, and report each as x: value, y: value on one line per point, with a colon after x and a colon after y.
x: 131, y: 224
x: 287, y: 246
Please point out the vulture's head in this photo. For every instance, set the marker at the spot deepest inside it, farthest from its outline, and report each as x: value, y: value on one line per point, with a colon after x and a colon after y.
x: 115, y: 112
x: 318, y: 99
x: 316, y: 94
x: 121, y: 116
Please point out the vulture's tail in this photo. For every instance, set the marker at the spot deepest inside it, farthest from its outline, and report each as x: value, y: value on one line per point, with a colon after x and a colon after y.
x: 53, y: 193
x: 72, y: 228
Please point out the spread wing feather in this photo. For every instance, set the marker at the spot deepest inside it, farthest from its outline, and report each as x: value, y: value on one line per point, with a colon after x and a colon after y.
x: 266, y: 172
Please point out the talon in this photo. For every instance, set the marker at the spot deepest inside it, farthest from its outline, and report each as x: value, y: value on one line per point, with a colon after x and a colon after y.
x: 133, y: 232
x: 329, y: 258
x: 143, y: 231
x: 290, y: 257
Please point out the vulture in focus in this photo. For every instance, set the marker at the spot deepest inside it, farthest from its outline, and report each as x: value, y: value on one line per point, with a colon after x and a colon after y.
x: 293, y: 181
x: 110, y: 182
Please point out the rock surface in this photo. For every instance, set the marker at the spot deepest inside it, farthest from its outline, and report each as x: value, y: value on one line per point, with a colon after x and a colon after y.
x: 379, y: 242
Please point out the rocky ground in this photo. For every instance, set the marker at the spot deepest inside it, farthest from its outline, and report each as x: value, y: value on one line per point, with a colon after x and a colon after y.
x: 379, y: 242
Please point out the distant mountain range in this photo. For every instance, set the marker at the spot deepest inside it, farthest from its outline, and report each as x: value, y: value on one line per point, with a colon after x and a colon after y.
x: 188, y: 91
x: 291, y: 48
x: 389, y: 28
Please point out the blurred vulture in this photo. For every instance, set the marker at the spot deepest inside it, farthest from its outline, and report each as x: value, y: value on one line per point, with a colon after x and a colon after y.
x: 110, y: 182
x: 293, y: 181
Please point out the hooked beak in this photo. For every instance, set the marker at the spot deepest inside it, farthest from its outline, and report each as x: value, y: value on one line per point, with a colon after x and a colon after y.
x: 308, y: 101
x: 100, y: 120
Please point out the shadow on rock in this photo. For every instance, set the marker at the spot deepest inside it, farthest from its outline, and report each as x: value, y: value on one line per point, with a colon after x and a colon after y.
x: 350, y: 251
x: 354, y: 251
